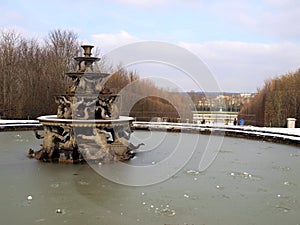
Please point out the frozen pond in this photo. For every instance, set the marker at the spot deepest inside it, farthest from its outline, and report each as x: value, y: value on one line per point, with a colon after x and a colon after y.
x: 249, y: 182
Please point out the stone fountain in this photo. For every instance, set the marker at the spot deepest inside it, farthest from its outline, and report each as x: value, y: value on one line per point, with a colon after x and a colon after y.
x: 87, y: 126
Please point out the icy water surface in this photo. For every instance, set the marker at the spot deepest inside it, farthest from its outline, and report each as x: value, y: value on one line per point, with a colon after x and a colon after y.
x: 249, y: 182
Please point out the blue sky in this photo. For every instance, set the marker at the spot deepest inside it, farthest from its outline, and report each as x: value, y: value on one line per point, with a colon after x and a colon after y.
x: 242, y: 42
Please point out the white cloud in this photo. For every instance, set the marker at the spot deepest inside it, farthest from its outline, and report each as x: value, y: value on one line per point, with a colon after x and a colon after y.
x: 9, y: 16
x: 109, y: 41
x: 143, y: 3
x: 241, y: 66
x: 280, y: 3
x: 276, y: 19
x: 237, y: 66
x: 24, y: 33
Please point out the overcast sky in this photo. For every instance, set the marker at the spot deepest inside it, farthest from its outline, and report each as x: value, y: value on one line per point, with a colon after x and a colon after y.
x: 243, y: 43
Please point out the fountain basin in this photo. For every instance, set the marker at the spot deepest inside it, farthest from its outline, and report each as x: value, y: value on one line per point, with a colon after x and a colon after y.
x: 250, y: 182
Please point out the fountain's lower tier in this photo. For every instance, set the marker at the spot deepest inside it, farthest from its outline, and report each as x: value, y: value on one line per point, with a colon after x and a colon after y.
x: 52, y: 120
x: 73, y: 141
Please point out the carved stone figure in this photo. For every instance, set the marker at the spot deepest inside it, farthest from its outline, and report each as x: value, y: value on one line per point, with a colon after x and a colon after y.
x: 99, y: 137
x: 73, y: 87
x: 67, y: 108
x: 70, y: 142
x: 60, y: 107
x: 89, y: 109
x: 50, y: 144
x: 113, y: 110
x: 69, y: 148
x: 123, y: 138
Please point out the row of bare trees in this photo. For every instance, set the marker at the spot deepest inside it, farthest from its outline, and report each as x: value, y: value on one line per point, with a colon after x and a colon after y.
x: 278, y: 100
x: 147, y: 101
x: 32, y: 72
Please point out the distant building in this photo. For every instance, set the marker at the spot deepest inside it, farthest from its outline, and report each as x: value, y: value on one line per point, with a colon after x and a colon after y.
x: 214, y: 117
x: 222, y: 102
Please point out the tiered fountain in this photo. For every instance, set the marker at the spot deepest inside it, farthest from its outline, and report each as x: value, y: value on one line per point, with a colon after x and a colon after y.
x: 87, y: 126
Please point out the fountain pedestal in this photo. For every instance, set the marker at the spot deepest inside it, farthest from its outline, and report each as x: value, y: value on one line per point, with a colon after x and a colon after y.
x: 87, y: 126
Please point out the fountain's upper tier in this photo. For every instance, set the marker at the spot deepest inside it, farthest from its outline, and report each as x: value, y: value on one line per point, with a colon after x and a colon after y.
x: 86, y: 66
x: 87, y: 50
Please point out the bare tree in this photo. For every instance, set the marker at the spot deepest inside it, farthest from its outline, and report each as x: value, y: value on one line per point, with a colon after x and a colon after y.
x: 32, y: 73
x: 276, y: 101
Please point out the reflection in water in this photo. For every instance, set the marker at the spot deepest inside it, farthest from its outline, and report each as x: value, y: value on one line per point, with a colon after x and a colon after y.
x: 250, y: 182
